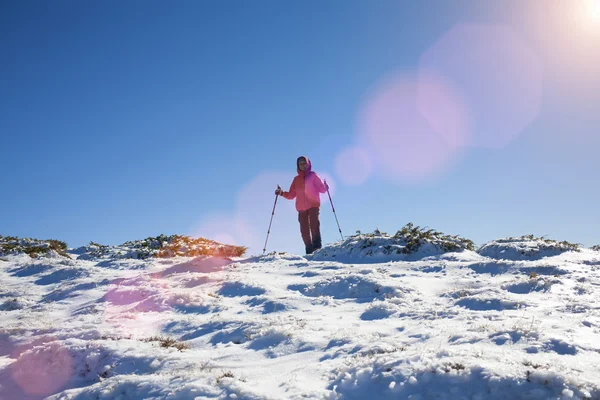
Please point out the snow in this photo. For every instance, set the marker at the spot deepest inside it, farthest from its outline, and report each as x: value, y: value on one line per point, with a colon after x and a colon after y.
x: 524, y: 248
x: 432, y: 324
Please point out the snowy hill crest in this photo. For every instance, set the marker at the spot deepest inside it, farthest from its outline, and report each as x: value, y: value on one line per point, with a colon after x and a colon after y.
x: 161, y: 246
x: 526, y: 247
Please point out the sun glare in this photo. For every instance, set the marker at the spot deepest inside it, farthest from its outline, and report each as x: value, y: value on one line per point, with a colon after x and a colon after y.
x: 592, y: 10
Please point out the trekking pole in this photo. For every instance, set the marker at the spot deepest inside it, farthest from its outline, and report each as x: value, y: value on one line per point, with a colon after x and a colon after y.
x: 333, y: 208
x: 272, y: 214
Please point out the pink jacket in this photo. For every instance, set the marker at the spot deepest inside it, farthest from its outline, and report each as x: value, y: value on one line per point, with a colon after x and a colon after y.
x: 306, y: 188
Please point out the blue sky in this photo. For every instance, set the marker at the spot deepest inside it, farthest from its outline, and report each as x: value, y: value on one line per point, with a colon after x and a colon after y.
x: 122, y: 120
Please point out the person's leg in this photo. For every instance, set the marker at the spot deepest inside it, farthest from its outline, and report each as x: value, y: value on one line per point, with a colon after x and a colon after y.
x: 315, y: 227
x: 305, y: 230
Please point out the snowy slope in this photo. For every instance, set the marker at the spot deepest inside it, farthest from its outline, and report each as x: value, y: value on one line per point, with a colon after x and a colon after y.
x: 442, y: 325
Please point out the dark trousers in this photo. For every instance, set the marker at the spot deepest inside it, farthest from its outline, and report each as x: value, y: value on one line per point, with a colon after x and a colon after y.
x: 310, y: 226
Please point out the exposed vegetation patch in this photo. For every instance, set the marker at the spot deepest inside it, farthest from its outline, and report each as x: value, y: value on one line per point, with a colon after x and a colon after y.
x: 32, y: 247
x: 526, y: 247
x: 166, y: 342
x: 411, y: 240
x: 415, y: 237
x: 163, y: 246
x: 227, y: 374
x: 97, y: 250
x: 11, y: 305
x: 453, y: 366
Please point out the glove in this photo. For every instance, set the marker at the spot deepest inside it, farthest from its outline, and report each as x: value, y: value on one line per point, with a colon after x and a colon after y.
x: 279, y: 192
x: 326, y: 185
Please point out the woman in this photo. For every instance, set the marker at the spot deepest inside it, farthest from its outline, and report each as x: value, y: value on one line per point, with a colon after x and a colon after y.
x: 306, y: 189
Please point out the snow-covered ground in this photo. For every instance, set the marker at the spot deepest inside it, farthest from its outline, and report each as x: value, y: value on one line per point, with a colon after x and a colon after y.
x: 357, y: 320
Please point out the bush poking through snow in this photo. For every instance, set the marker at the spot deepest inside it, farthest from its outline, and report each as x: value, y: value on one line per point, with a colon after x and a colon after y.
x: 453, y: 366
x: 596, y: 248
x: 410, y: 242
x: 178, y: 245
x: 163, y: 246
x: 415, y: 237
x: 410, y: 239
x: 227, y: 374
x: 31, y: 247
x: 97, y: 250
x: 525, y: 247
x: 528, y: 363
x: 166, y: 342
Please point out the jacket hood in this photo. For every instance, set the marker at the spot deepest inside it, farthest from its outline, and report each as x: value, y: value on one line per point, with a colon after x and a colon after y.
x: 308, y: 165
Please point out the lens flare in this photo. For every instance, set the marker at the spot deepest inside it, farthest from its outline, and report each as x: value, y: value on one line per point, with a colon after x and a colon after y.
x: 225, y: 229
x: 403, y: 126
x: 588, y: 20
x: 331, y: 182
x: 593, y: 10
x: 221, y: 228
x: 498, y: 77
x: 42, y: 368
x: 353, y: 165
x: 248, y: 224
x: 225, y: 238
x: 132, y: 297
x: 255, y: 205
x: 439, y: 102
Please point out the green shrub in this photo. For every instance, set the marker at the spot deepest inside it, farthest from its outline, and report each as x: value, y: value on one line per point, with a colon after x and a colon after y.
x: 409, y: 240
x: 31, y: 247
x: 163, y: 246
x: 415, y: 237
x: 546, y: 243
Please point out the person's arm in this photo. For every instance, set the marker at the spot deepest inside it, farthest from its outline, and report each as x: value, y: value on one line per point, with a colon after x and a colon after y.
x: 291, y: 194
x: 319, y: 185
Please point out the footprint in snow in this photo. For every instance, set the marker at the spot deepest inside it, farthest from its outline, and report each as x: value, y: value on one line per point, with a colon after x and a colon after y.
x: 532, y: 285
x: 379, y: 311
x: 29, y: 270
x: 476, y: 304
x: 234, y: 289
x: 307, y: 274
x: 560, y: 347
x: 501, y: 338
x: 62, y: 275
x: 268, y: 306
